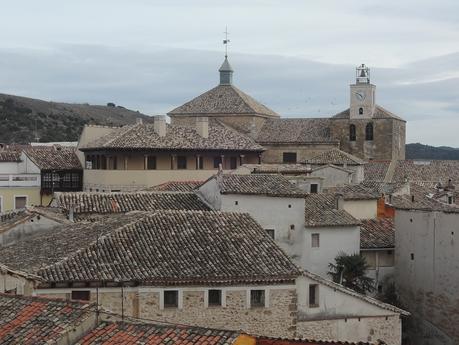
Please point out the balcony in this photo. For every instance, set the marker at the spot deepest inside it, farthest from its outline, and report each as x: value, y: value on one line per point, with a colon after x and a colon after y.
x: 19, y: 180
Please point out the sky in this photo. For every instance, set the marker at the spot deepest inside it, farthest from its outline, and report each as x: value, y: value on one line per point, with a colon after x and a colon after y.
x: 298, y: 57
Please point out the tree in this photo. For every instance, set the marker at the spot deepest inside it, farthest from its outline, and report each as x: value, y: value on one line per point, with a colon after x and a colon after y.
x: 350, y: 271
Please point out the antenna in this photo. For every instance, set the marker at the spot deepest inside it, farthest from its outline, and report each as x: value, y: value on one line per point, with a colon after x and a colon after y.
x: 226, y: 41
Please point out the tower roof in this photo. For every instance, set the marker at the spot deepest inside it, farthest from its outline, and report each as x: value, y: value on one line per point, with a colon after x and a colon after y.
x: 226, y: 67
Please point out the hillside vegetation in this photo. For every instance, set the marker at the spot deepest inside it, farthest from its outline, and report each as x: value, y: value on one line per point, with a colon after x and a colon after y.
x: 20, y: 116
x: 421, y: 151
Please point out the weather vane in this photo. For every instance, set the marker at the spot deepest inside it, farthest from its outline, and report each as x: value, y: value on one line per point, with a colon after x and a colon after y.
x: 226, y: 41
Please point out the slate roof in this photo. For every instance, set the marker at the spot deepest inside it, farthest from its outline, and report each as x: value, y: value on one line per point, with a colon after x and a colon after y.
x: 377, y: 233
x: 375, y: 170
x: 7, y: 155
x: 54, y: 157
x: 295, y: 131
x: 152, y: 334
x: 36, y: 321
x: 258, y: 184
x: 380, y: 113
x: 155, y: 248
x: 143, y: 136
x: 355, y: 192
x: 223, y: 100
x: 321, y: 210
x: 176, y: 186
x: 336, y: 157
x: 122, y: 202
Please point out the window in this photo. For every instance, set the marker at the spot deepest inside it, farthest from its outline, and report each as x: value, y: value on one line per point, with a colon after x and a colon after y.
x: 200, y: 164
x: 257, y: 298
x: 215, y: 298
x: 233, y: 163
x: 171, y: 299
x: 217, y: 161
x: 315, y: 240
x: 112, y: 163
x: 369, y: 132
x: 289, y: 157
x: 270, y: 233
x: 181, y: 162
x: 20, y: 202
x: 352, y: 133
x: 450, y: 200
x: 314, y: 188
x: 151, y: 163
x: 83, y: 295
x: 360, y: 111
x: 313, y: 295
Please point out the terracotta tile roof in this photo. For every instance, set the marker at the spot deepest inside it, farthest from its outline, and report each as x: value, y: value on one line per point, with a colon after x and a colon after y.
x: 176, y: 186
x: 35, y: 321
x: 143, y: 136
x: 122, y: 202
x: 9, y: 155
x: 432, y: 171
x: 355, y: 192
x: 295, y: 131
x: 151, y: 334
x: 278, y: 168
x: 282, y: 341
x: 258, y: 184
x: 380, y: 113
x: 223, y: 99
x: 54, y: 157
x: 10, y: 219
x: 375, y: 170
x: 336, y: 157
x: 377, y: 233
x: 159, y: 248
x: 321, y: 210
x: 383, y: 187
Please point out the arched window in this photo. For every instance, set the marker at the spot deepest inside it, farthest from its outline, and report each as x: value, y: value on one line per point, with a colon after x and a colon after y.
x: 360, y: 111
x: 369, y: 132
x: 352, y: 135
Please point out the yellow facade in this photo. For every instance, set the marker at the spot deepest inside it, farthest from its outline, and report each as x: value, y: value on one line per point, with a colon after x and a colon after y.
x: 8, y: 195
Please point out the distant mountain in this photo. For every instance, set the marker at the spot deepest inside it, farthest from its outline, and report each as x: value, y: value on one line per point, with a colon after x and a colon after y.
x: 20, y: 116
x: 421, y: 151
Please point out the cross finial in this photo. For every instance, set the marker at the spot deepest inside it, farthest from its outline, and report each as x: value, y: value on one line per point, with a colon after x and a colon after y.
x: 226, y: 41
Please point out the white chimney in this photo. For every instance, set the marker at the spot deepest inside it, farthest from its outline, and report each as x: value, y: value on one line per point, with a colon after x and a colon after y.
x: 202, y: 126
x: 159, y: 124
x: 339, y: 201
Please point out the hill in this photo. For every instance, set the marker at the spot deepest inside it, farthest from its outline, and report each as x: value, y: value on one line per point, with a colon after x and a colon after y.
x: 421, y: 151
x: 20, y: 116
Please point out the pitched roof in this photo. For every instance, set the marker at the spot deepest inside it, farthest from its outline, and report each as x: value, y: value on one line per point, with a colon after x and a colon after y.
x: 223, y: 100
x: 157, y: 248
x: 321, y: 210
x: 10, y: 155
x: 143, y: 136
x: 377, y: 233
x: 355, y: 192
x: 152, y: 334
x: 432, y: 171
x: 277, y: 168
x: 258, y: 184
x: 295, y: 131
x: 176, y: 186
x: 10, y: 219
x: 380, y: 113
x: 33, y: 320
x: 375, y: 170
x: 122, y: 202
x: 54, y: 157
x: 335, y: 156
x: 283, y: 341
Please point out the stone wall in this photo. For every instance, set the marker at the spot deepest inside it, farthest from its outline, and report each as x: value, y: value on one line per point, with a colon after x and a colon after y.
x: 274, y: 153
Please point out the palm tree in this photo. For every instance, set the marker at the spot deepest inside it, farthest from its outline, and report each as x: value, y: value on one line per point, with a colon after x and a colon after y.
x: 350, y: 271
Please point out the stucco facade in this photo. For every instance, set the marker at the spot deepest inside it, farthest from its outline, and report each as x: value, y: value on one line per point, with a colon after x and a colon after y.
x: 362, y: 209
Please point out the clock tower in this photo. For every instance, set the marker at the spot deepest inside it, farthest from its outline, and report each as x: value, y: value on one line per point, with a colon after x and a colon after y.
x: 362, y: 95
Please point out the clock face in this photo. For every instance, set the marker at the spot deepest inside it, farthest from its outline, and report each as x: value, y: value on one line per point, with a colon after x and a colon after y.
x: 360, y: 95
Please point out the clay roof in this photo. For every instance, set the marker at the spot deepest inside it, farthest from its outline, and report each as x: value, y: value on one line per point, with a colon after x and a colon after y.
x: 335, y: 156
x: 156, y: 248
x: 377, y: 233
x: 321, y: 210
x: 223, y: 100
x: 282, y: 341
x: 143, y: 136
x: 355, y: 192
x: 295, y: 131
x: 176, y: 186
x: 375, y: 170
x: 258, y: 184
x: 10, y: 219
x: 122, y: 202
x: 380, y: 113
x: 10, y: 155
x: 35, y: 321
x: 54, y: 157
x: 152, y: 334
x: 431, y: 171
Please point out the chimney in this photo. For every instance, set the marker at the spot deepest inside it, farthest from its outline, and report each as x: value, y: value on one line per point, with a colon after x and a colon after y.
x: 202, y: 126
x: 159, y: 124
x: 339, y: 198
x: 138, y: 121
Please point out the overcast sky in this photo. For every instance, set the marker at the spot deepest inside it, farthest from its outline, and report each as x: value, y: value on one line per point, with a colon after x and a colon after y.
x: 297, y: 57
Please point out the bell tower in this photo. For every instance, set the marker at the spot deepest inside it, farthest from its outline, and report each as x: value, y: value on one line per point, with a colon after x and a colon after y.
x: 362, y: 95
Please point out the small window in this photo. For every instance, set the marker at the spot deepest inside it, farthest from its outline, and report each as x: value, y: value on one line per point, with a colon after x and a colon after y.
x: 369, y: 132
x: 151, y: 163
x: 217, y: 161
x: 314, y: 188
x: 360, y: 111
x: 270, y: 233
x: 181, y: 162
x: 315, y: 240
x: 200, y: 163
x: 289, y: 157
x: 352, y: 133
x: 83, y: 295
x: 236, y: 203
x: 20, y: 202
x: 412, y: 256
x: 450, y: 200
x: 233, y: 163
x: 313, y: 295
x: 215, y: 298
x: 257, y: 298
x: 171, y: 299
